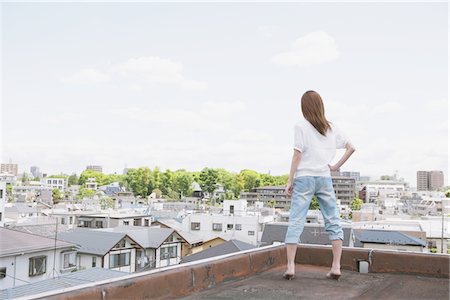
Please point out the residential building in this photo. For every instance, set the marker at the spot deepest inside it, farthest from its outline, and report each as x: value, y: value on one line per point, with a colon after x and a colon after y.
x: 114, y: 219
x: 95, y: 168
x: 68, y: 280
x: 27, y: 258
x: 56, y: 183
x: 430, y: 180
x: 344, y: 188
x: 371, y: 191
x: 109, y: 250
x: 2, y: 202
x: 91, y: 184
x: 17, y: 213
x: 111, y: 189
x: 387, y: 240
x: 246, y: 226
x: 355, y: 175
x: 269, y: 195
x: 35, y: 172
x: 232, y: 246
x: 312, y: 234
x: 161, y: 247
x: 9, y: 179
x: 9, y: 168
x: 30, y: 192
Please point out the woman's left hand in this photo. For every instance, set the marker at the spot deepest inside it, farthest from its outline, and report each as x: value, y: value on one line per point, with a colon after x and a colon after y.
x: 288, y: 190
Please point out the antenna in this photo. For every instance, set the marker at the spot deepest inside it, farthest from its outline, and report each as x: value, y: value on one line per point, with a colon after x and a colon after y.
x: 54, y: 250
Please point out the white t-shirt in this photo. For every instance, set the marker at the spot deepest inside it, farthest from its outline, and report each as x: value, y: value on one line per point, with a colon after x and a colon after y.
x: 317, y: 150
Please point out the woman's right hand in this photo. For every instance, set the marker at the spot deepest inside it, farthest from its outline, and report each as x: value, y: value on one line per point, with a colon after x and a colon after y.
x: 288, y: 190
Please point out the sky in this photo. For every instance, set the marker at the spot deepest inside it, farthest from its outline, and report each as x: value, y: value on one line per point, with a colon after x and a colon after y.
x: 194, y: 85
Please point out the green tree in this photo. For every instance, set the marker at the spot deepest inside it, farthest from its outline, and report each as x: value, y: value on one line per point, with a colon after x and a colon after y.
x: 85, y: 193
x: 208, y: 180
x: 9, y: 196
x: 251, y: 179
x: 106, y: 202
x: 271, y: 203
x: 267, y: 180
x: 447, y: 194
x: 182, y: 182
x: 156, y: 179
x: 167, y: 182
x: 314, y: 203
x: 72, y: 180
x: 56, y: 196
x: 139, y: 181
x: 226, y: 179
x: 356, y: 204
x: 281, y: 180
x: 158, y: 193
x: 385, y: 177
x: 238, y: 185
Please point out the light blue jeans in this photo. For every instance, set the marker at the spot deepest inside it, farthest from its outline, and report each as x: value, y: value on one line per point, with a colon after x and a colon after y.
x: 304, y: 188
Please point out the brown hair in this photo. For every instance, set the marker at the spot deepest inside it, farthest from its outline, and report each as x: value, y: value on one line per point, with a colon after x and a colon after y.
x: 314, y: 111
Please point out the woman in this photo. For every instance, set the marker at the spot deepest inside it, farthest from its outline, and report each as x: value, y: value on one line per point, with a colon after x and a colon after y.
x: 315, y: 143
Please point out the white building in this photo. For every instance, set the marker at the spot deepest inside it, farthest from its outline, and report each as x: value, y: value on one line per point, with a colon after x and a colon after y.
x: 2, y: 202
x: 56, y: 183
x: 384, y: 188
x: 26, y: 258
x: 234, y: 223
x: 108, y: 250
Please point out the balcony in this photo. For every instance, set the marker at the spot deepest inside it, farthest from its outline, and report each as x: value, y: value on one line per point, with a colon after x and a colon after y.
x: 256, y: 274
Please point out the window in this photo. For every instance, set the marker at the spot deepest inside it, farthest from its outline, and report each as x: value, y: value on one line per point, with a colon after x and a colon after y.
x: 69, y: 260
x: 217, y: 227
x: 169, y: 252
x: 229, y: 226
x: 238, y: 226
x: 1, y: 193
x: 137, y: 222
x: 195, y: 226
x: 126, y: 223
x: 232, y: 209
x: 119, y: 260
x: 94, y: 261
x: 63, y: 221
x: 71, y: 220
x: 2, y: 272
x: 251, y: 232
x: 0, y: 216
x: 99, y: 224
x: 37, y: 265
x: 147, y: 222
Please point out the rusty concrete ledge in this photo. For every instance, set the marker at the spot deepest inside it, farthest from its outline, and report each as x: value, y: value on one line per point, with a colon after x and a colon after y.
x: 380, y: 261
x: 185, y: 279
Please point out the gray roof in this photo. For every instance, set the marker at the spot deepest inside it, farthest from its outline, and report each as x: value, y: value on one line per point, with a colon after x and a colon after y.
x: 147, y: 237
x: 312, y: 234
x: 47, y: 230
x: 22, y: 208
x: 386, y: 237
x: 92, y: 241
x: 63, y: 281
x: 228, y: 247
x: 12, y: 242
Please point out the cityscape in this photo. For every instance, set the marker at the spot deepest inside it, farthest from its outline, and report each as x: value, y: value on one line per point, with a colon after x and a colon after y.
x: 145, y: 149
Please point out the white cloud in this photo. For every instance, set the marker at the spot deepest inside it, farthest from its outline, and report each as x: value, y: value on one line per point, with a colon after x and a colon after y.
x: 153, y: 69
x: 87, y: 76
x: 314, y: 48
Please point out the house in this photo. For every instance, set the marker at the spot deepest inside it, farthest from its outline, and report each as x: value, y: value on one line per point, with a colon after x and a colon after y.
x: 231, y: 246
x: 235, y: 222
x: 161, y: 246
x: 28, y: 258
x: 312, y: 234
x: 20, y: 212
x: 215, y: 241
x: 64, y: 281
x: 109, y: 250
x: 387, y: 239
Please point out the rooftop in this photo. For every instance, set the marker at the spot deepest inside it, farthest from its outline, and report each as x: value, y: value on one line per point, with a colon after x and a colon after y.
x: 256, y: 274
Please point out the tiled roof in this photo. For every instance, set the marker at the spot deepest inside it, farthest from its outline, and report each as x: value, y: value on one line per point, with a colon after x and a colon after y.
x: 92, y: 241
x: 60, y: 282
x: 387, y: 237
x: 228, y: 247
x: 12, y: 242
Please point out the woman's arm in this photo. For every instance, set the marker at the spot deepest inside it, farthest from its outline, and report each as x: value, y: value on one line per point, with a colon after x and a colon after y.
x: 349, y: 149
x: 294, y: 165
